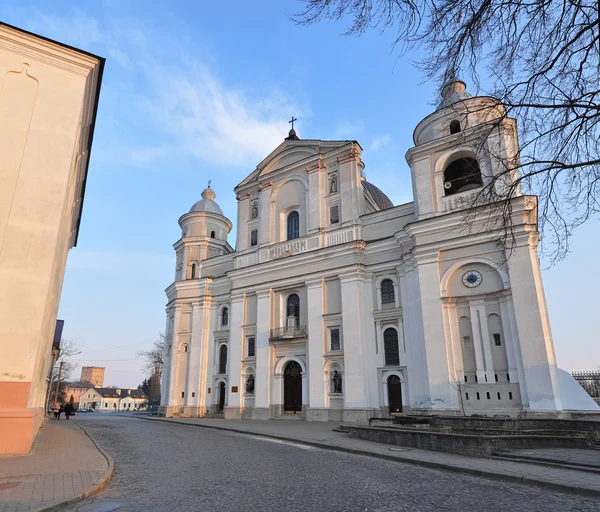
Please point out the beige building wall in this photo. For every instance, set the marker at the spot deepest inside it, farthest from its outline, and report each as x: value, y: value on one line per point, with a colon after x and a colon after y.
x: 93, y: 374
x: 48, y: 101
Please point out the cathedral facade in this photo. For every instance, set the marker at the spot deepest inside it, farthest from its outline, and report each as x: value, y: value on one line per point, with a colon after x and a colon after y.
x: 337, y: 305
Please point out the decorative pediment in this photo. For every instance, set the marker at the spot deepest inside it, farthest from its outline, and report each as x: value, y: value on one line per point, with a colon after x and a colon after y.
x: 292, y: 152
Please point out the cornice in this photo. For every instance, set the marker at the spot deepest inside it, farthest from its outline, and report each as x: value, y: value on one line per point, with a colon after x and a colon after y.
x: 47, y: 51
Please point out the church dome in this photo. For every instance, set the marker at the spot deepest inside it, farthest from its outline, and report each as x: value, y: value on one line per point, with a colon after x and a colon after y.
x: 378, y: 196
x: 207, y: 203
x: 453, y: 91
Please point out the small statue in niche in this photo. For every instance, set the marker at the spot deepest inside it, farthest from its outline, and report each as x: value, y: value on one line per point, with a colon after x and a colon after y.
x: 250, y: 384
x: 333, y: 185
x: 254, y: 212
x: 337, y: 382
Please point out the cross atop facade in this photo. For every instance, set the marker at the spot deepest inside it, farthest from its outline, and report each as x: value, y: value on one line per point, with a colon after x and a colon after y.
x: 292, y: 121
x: 209, y: 183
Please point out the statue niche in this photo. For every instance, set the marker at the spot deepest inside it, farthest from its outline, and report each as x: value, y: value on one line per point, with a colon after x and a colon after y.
x: 250, y: 384
x: 337, y: 382
x: 333, y: 184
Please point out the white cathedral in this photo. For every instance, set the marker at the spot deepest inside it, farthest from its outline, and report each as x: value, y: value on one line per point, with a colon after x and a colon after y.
x: 337, y: 305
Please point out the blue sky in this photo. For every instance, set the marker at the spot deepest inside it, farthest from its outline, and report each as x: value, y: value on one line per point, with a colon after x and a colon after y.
x: 194, y: 91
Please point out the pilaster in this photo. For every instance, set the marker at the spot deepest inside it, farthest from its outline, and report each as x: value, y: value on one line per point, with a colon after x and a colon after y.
x: 174, y: 369
x: 316, y: 194
x: 507, y: 316
x: 264, y: 215
x: 262, y: 383
x: 481, y: 339
x: 234, y: 355
x: 315, y: 348
x: 533, y: 326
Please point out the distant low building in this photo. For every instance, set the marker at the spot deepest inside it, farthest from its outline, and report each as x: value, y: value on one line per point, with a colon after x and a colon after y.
x: 113, y: 399
x: 75, y: 390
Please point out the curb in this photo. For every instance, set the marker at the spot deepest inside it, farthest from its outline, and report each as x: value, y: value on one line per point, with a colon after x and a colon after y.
x: 96, y: 487
x: 532, y: 481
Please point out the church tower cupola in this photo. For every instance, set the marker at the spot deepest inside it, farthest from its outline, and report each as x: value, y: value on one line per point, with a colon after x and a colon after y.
x: 464, y: 152
x: 453, y: 91
x: 204, y: 231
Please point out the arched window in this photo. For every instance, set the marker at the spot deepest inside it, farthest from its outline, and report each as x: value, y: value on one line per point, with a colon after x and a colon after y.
x: 462, y: 175
x: 387, y: 292
x: 390, y: 347
x: 185, y: 347
x: 193, y: 271
x: 212, y: 234
x: 293, y: 306
x: 223, y: 359
x: 293, y: 225
x: 454, y: 127
x: 225, y: 317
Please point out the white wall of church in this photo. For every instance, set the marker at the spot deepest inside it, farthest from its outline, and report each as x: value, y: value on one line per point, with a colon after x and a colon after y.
x: 399, y: 309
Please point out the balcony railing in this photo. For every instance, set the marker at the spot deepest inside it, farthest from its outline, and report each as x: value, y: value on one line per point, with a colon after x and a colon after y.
x: 286, y: 333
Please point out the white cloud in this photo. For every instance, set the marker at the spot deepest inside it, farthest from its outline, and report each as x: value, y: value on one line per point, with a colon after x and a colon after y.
x: 80, y: 31
x: 212, y: 120
x: 379, y: 142
x: 181, y: 105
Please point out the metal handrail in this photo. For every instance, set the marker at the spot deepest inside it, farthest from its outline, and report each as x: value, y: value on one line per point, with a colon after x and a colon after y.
x: 281, y: 333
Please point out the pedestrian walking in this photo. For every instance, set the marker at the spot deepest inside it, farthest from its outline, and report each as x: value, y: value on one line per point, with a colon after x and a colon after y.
x: 69, y: 409
x: 60, y: 411
x: 56, y: 410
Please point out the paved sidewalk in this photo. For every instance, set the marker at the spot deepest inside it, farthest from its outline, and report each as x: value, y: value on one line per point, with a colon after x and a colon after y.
x: 322, y: 435
x: 63, y: 466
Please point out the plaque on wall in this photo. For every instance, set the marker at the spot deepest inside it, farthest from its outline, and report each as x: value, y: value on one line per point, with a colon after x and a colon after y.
x: 209, y: 391
x: 234, y: 389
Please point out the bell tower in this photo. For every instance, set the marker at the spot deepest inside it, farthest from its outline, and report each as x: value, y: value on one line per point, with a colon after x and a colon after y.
x: 465, y: 153
x: 204, y: 231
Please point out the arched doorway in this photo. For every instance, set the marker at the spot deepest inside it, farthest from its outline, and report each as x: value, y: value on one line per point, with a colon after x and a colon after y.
x: 221, y: 396
x: 292, y: 388
x: 394, y: 394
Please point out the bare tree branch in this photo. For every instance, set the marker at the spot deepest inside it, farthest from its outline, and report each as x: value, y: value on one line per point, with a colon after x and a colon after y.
x: 541, y: 60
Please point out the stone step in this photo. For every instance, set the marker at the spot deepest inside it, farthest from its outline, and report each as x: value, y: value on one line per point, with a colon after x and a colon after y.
x: 548, y: 463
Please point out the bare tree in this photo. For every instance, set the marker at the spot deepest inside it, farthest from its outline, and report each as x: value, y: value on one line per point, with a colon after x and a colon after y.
x: 68, y: 349
x: 63, y: 368
x: 540, y: 59
x: 153, y: 356
x: 152, y: 367
x: 460, y: 387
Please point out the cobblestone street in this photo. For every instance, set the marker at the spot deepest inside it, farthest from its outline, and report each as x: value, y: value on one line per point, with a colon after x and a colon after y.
x: 166, y: 467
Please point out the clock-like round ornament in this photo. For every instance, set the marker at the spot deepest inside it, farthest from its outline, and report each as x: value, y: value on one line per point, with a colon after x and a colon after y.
x: 472, y: 278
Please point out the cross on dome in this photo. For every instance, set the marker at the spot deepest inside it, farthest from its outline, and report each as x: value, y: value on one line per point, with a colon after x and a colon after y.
x: 292, y: 135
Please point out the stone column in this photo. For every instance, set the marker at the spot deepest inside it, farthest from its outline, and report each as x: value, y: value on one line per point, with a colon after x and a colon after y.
x: 264, y: 214
x: 234, y: 356
x: 207, y: 368
x: 315, y: 349
x: 417, y: 383
x: 242, y: 223
x: 166, y: 370
x: 356, y: 386
x: 442, y: 395
x: 191, y: 402
x: 509, y: 339
x: 316, y: 194
x: 535, y: 338
x: 453, y: 341
x: 174, y: 366
x: 481, y: 339
x: 262, y: 383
